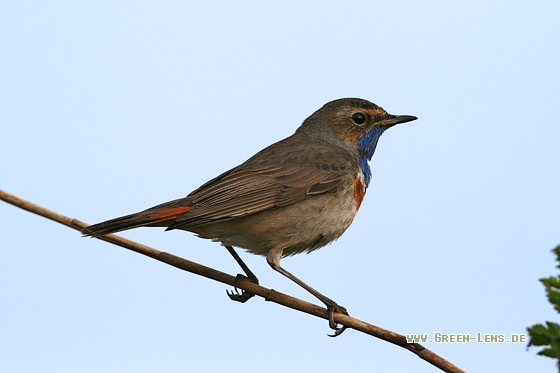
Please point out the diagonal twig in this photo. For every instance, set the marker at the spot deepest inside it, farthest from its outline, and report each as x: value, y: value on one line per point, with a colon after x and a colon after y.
x: 267, y: 294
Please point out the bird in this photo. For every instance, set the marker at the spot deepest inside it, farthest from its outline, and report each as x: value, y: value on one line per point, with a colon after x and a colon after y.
x: 294, y: 196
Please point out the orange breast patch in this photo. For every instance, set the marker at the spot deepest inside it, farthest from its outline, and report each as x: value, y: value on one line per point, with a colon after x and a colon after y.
x: 359, y: 189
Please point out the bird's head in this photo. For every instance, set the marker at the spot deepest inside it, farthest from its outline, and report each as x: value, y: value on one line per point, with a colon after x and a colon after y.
x: 358, y: 123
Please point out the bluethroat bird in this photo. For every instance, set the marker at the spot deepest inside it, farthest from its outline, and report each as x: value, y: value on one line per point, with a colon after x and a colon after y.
x: 295, y: 196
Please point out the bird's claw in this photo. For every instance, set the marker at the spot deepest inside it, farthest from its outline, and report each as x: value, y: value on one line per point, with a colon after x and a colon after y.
x: 244, y: 296
x: 331, y: 309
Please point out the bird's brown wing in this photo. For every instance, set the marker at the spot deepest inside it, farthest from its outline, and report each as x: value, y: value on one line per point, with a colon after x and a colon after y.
x: 255, y: 186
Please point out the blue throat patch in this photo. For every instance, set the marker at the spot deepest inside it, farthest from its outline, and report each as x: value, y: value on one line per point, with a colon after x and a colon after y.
x: 366, y: 147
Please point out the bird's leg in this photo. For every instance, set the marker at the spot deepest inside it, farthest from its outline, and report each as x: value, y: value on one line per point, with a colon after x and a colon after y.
x: 273, y: 259
x: 245, y: 295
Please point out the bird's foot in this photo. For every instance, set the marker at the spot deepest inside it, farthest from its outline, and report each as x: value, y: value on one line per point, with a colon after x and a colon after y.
x: 331, y: 309
x: 244, y: 296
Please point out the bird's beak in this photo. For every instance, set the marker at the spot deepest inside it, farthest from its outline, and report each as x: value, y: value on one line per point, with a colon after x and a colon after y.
x: 396, y: 119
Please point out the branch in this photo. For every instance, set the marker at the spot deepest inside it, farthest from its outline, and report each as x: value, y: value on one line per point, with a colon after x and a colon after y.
x: 268, y: 294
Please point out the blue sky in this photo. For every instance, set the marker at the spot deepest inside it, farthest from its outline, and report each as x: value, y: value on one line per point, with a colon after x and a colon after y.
x: 107, y: 108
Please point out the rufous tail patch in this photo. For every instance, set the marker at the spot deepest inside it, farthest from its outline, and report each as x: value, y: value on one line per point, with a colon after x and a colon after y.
x: 171, y: 213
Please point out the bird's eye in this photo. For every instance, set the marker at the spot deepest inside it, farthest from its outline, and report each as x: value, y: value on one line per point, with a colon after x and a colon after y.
x: 359, y: 118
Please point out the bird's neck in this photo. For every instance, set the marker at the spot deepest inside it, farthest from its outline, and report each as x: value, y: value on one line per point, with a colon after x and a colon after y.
x: 366, y: 147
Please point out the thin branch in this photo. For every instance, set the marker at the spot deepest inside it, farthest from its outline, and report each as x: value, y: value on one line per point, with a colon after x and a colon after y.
x: 268, y: 294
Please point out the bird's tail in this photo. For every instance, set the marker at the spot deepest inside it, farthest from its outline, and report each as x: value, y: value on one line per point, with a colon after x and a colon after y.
x: 161, y: 215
